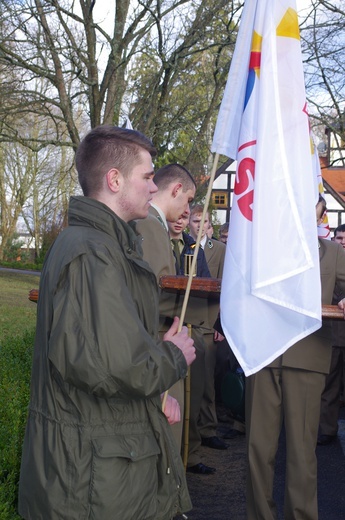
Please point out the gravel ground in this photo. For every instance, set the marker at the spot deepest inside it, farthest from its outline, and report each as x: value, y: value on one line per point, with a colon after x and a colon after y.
x: 221, y: 496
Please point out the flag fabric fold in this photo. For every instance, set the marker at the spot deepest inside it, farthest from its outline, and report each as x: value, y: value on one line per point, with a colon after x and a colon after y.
x: 271, y: 290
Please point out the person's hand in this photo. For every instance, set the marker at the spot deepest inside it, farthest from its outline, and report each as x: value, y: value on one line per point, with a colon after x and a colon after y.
x: 218, y: 336
x: 181, y: 340
x: 341, y: 306
x: 172, y: 410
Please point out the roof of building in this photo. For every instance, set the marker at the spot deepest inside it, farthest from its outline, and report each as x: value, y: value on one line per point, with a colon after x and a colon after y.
x: 334, y: 177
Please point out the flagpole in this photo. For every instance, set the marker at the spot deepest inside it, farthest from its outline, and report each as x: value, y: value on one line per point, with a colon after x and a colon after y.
x: 186, y: 411
x: 198, y: 240
x: 195, y: 254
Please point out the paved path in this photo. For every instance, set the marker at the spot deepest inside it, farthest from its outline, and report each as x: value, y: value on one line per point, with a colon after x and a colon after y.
x: 20, y: 271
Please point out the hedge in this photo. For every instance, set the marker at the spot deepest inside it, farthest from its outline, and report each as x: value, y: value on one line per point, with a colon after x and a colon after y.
x: 15, y: 370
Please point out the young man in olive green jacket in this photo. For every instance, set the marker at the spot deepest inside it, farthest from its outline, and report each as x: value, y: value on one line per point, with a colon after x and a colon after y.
x: 97, y: 444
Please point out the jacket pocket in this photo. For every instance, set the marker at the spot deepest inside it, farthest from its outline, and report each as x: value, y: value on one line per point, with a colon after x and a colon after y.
x: 124, y: 478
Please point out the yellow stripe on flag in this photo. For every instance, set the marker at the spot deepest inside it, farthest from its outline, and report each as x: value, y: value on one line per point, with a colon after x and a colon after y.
x: 288, y: 26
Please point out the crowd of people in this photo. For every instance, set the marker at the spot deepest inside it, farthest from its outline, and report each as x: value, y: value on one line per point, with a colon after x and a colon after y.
x: 105, y: 437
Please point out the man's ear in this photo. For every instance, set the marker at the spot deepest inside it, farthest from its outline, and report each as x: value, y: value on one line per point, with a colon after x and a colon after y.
x: 176, y: 188
x: 113, y: 178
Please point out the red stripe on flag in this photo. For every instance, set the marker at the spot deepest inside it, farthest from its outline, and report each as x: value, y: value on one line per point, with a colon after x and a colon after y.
x: 255, y: 60
x: 251, y: 143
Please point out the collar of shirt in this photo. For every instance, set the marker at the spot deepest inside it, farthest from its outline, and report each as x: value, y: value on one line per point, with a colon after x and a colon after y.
x: 203, y: 241
x: 179, y: 242
x: 162, y: 216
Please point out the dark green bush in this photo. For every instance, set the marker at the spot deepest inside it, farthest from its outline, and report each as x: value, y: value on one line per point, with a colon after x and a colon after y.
x: 49, y: 235
x: 15, y: 370
x: 13, y: 249
x: 26, y: 266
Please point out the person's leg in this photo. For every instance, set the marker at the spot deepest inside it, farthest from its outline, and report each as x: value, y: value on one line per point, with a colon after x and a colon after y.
x: 301, y: 400
x: 330, y: 398
x: 223, y: 365
x: 208, y: 417
x: 342, y: 394
x: 263, y: 424
x: 197, y: 379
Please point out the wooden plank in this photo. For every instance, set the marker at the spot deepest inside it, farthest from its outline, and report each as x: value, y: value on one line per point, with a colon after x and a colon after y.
x: 210, y: 288
x: 201, y: 287
x: 332, y: 312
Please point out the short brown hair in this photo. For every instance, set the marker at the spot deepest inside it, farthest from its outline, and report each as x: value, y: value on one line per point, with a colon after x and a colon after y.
x: 224, y: 228
x: 106, y: 147
x: 339, y: 229
x: 197, y: 209
x: 173, y: 173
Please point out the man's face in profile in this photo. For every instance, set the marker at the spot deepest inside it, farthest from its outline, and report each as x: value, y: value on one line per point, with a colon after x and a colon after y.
x: 340, y: 238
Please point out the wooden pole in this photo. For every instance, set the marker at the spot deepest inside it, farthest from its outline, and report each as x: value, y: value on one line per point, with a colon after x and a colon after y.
x: 186, y: 412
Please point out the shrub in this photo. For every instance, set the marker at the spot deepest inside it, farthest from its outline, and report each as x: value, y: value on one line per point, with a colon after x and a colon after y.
x: 25, y: 266
x: 49, y: 235
x: 15, y: 370
x: 13, y: 249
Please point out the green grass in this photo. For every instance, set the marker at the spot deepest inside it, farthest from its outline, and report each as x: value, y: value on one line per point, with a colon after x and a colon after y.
x: 17, y: 312
x: 17, y: 329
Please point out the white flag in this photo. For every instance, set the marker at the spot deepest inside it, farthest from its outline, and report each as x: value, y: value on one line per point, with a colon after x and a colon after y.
x: 271, y: 289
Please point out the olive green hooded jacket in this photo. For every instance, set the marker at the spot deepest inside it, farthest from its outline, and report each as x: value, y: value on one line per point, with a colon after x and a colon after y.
x: 97, y: 445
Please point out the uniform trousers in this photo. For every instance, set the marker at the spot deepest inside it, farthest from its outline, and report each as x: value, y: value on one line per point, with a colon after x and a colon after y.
x: 274, y: 395
x: 197, y: 384
x: 330, y: 399
x: 208, y: 422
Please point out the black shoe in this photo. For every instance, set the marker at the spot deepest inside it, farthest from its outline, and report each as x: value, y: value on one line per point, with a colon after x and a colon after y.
x: 323, y: 440
x: 201, y: 469
x: 232, y: 434
x: 214, y: 442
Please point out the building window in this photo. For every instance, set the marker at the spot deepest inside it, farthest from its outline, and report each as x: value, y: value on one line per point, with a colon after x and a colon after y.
x: 220, y: 199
